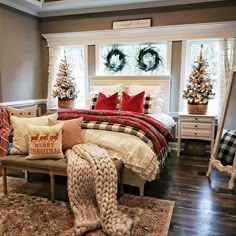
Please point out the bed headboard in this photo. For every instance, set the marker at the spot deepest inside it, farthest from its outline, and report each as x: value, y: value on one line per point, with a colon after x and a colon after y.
x: 163, y: 81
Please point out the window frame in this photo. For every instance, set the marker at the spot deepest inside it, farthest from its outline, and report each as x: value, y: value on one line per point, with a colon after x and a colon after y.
x: 168, y: 59
x: 184, y: 73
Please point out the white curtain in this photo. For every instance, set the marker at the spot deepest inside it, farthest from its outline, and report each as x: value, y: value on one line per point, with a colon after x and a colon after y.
x: 55, y: 56
x: 225, y: 69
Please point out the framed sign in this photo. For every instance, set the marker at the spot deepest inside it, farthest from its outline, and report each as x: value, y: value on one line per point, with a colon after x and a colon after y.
x: 131, y: 24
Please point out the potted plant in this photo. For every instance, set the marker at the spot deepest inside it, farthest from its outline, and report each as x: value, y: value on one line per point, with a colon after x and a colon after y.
x: 199, y: 88
x: 65, y: 88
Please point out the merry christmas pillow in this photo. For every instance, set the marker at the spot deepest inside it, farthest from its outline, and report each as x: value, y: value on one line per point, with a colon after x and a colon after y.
x: 45, y: 142
x: 21, y: 133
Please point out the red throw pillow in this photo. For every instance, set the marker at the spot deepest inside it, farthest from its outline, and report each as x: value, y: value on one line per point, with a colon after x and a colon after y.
x: 132, y: 103
x: 106, y: 103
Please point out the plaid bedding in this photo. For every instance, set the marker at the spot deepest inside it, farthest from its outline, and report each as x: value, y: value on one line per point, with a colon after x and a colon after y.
x: 227, y: 147
x: 4, y: 131
x: 151, y: 131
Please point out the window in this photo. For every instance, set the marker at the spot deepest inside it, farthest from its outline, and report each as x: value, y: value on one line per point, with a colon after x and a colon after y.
x: 77, y: 58
x: 213, y: 51
x: 131, y: 51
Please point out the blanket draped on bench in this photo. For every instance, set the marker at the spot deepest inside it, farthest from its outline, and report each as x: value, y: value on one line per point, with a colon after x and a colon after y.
x: 92, y: 190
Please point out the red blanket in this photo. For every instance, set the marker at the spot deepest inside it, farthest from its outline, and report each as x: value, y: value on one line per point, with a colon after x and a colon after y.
x: 5, y: 130
x: 158, y: 133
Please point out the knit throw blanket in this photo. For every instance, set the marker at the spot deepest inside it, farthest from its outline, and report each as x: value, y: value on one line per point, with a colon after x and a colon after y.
x: 92, y: 190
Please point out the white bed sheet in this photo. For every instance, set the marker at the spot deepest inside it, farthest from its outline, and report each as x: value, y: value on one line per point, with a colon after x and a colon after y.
x: 168, y: 121
x: 135, y: 153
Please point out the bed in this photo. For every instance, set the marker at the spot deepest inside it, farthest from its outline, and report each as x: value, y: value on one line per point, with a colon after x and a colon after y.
x: 141, y: 160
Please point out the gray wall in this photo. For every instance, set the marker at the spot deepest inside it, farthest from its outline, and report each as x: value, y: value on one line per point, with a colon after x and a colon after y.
x: 195, y: 13
x: 20, y: 57
x: 23, y: 75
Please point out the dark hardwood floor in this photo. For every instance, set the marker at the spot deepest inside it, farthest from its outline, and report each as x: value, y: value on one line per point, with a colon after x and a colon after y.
x: 202, y: 207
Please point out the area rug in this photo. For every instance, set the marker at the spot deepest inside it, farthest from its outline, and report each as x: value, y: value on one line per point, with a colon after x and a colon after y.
x: 24, y: 212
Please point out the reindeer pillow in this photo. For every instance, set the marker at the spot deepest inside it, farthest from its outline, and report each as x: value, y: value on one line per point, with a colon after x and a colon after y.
x: 45, y: 142
x: 21, y: 133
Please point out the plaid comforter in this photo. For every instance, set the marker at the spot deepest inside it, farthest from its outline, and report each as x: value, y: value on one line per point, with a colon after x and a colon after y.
x: 151, y: 131
x: 227, y: 147
x: 4, y: 131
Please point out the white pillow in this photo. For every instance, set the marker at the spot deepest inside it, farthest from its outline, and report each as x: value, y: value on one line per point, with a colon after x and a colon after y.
x: 157, y: 92
x: 107, y: 89
x: 21, y: 132
x: 168, y: 121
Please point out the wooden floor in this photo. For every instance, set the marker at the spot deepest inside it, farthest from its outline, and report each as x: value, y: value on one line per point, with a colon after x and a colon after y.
x: 202, y: 207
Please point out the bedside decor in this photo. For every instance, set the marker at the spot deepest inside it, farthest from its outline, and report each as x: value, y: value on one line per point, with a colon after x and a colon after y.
x: 148, y: 59
x: 199, y: 89
x: 115, y: 60
x: 66, y: 89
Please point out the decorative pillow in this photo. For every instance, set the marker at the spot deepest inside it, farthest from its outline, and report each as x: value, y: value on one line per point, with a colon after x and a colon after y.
x: 21, y: 133
x: 45, y: 142
x: 71, y: 134
x: 132, y: 103
x: 153, y: 99
x: 23, y: 112
x: 107, y: 89
x: 106, y: 103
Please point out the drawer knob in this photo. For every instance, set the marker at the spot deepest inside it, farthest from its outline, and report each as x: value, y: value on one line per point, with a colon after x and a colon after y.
x: 195, y: 133
x: 196, y: 126
x: 196, y: 118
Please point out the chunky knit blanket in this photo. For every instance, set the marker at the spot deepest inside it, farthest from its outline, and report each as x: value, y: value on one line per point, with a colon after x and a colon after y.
x: 92, y: 190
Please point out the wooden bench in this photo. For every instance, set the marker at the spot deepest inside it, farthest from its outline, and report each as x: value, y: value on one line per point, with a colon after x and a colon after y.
x: 46, y: 166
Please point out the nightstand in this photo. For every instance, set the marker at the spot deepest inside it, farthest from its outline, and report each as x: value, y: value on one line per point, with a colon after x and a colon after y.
x: 193, y: 126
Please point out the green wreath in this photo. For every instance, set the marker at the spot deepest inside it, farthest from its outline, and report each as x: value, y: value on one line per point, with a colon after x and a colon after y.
x: 112, y: 65
x: 148, y: 59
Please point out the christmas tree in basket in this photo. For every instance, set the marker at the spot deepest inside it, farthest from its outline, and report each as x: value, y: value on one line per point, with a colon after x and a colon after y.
x: 199, y: 88
x: 65, y: 87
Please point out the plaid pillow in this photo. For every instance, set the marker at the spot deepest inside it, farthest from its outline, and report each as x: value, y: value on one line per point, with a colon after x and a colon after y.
x: 148, y: 104
x: 93, y: 100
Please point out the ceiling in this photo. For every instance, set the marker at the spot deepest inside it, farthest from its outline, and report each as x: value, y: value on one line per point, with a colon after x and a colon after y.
x: 47, y: 8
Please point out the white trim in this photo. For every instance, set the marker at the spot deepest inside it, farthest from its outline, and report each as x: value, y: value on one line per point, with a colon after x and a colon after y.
x: 72, y: 7
x: 151, y: 34
x: 169, y: 58
x: 25, y: 102
x: 183, y: 72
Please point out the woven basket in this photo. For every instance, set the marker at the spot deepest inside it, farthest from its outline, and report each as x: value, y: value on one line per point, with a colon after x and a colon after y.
x: 65, y: 103
x: 200, y: 109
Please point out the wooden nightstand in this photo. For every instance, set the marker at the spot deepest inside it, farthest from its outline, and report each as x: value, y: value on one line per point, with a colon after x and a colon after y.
x: 191, y: 126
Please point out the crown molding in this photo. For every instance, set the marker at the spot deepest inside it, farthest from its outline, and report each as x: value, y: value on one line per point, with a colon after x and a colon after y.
x: 150, y: 34
x: 72, y: 7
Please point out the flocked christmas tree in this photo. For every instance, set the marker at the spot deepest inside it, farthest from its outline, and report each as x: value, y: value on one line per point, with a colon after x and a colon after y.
x: 65, y: 87
x: 199, y: 88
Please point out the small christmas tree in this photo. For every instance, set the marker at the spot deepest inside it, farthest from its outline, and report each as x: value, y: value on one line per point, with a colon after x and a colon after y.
x: 65, y: 87
x: 199, y: 88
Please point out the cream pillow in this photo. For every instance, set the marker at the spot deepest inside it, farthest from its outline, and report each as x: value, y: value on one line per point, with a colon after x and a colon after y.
x: 23, y: 112
x: 21, y: 133
x: 107, y: 89
x: 45, y: 142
